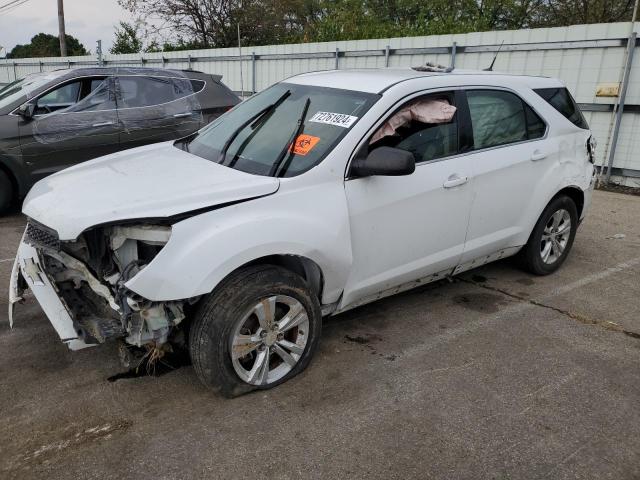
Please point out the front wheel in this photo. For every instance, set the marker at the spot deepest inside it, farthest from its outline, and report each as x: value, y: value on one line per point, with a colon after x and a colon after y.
x: 552, y: 237
x: 258, y: 329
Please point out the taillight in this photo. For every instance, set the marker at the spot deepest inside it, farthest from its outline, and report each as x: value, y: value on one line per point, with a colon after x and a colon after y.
x: 591, y: 148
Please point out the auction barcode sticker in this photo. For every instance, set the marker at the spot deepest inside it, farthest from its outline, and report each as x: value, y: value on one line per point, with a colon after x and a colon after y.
x: 337, y: 119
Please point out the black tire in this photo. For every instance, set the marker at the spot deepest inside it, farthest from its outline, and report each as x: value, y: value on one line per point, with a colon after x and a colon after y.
x: 531, y: 256
x: 6, y: 193
x: 217, y: 316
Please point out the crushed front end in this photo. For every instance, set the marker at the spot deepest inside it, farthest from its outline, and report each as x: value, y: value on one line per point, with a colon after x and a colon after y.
x: 80, y: 285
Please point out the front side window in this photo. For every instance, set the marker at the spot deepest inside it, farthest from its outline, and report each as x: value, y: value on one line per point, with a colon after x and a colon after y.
x: 500, y: 118
x: 66, y: 94
x: 283, y: 131
x: 59, y: 98
x: 86, y: 94
x: 563, y: 102
x: 427, y: 127
x: 139, y: 91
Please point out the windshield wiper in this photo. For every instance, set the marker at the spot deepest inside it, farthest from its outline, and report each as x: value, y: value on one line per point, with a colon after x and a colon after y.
x: 255, y: 118
x: 276, y: 171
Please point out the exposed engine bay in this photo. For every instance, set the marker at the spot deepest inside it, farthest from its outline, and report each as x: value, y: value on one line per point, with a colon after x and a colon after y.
x: 89, y: 276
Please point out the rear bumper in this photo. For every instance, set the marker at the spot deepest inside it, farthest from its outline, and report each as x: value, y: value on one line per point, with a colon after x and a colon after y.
x: 588, y: 195
x: 28, y: 265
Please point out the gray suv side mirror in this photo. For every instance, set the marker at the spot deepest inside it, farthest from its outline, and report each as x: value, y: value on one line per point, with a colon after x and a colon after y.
x: 27, y: 110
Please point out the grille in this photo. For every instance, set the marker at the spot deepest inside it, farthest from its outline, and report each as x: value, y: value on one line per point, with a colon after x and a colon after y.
x: 40, y: 236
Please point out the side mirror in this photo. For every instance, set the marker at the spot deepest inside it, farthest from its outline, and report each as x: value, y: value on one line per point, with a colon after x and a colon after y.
x: 386, y: 161
x: 27, y: 110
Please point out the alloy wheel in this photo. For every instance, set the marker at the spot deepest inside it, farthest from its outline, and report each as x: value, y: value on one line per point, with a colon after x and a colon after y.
x: 555, y: 236
x: 269, y: 340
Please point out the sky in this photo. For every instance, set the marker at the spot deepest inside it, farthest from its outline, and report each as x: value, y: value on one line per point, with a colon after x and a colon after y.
x: 87, y: 20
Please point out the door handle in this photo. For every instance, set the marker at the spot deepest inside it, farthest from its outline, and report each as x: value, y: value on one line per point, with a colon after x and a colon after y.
x: 185, y: 114
x: 538, y: 155
x: 454, y: 181
x: 103, y: 124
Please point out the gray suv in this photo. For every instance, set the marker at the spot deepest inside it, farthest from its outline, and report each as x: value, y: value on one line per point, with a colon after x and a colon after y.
x: 52, y: 120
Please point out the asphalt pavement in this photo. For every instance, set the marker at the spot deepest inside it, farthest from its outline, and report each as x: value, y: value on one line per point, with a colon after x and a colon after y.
x: 497, y: 374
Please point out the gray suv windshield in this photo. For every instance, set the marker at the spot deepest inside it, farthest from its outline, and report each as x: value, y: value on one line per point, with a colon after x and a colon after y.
x: 24, y: 87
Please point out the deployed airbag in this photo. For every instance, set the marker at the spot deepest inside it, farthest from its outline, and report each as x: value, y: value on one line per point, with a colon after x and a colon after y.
x: 425, y: 111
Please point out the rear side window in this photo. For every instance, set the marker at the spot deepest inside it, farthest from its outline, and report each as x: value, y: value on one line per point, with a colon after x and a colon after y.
x: 500, y: 118
x: 535, y: 125
x: 138, y: 91
x: 563, y: 102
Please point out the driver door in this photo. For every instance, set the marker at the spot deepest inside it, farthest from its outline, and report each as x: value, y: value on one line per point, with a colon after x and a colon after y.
x: 410, y: 227
x: 74, y: 122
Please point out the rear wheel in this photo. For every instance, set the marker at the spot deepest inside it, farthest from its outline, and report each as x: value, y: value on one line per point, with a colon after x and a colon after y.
x: 6, y: 193
x: 552, y: 237
x: 255, y: 331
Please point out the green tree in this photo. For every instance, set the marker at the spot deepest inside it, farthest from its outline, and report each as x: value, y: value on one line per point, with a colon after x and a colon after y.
x: 127, y: 39
x: 557, y: 13
x: 45, y: 45
x: 213, y: 23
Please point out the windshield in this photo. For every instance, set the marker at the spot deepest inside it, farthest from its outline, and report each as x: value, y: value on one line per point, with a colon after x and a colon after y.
x: 23, y: 87
x: 282, y: 131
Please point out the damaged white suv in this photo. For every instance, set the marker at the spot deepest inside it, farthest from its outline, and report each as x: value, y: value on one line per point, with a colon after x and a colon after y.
x: 324, y: 192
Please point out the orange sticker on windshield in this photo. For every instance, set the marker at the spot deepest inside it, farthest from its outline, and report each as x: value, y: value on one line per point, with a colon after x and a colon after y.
x: 304, y: 144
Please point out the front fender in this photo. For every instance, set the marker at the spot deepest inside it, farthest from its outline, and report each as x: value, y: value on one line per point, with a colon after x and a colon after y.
x: 311, y: 222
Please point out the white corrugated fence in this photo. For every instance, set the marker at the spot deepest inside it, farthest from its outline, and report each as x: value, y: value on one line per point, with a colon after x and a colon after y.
x: 583, y: 56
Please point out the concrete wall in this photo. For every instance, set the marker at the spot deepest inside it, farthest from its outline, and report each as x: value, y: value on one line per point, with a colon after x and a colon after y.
x: 583, y: 56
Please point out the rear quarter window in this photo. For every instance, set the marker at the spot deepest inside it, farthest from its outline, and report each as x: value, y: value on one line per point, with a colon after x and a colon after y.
x: 197, y: 85
x: 563, y: 102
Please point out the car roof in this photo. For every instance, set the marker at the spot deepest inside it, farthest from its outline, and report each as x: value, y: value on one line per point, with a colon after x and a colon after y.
x: 377, y: 80
x: 156, y: 72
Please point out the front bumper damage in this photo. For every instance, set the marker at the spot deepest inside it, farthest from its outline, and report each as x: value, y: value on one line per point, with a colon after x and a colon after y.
x: 80, y: 285
x: 27, y: 273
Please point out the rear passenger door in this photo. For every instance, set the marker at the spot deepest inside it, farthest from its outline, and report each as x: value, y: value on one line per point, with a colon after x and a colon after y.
x: 156, y: 109
x: 509, y: 160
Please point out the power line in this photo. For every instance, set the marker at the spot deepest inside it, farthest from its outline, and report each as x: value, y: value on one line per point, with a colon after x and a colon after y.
x: 7, y: 4
x: 11, y: 5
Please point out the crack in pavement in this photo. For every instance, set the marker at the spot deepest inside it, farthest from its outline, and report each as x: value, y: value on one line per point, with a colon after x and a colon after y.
x: 574, y: 316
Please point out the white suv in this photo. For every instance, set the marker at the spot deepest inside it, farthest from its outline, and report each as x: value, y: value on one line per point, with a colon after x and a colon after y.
x: 324, y: 192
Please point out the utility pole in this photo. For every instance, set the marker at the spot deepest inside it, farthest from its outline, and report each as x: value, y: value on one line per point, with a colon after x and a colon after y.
x: 61, y: 34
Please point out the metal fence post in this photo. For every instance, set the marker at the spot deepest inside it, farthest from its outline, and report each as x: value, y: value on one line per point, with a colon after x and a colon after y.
x: 337, y: 56
x: 253, y: 72
x: 99, y: 52
x: 454, y: 47
x: 40, y: 65
x: 386, y: 56
x: 15, y: 74
x: 631, y: 45
x: 189, y: 62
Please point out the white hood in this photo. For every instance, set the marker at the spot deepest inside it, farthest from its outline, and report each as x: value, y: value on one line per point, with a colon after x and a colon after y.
x: 147, y: 182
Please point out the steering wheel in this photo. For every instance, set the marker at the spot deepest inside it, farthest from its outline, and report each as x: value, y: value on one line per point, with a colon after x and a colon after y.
x: 44, y: 107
